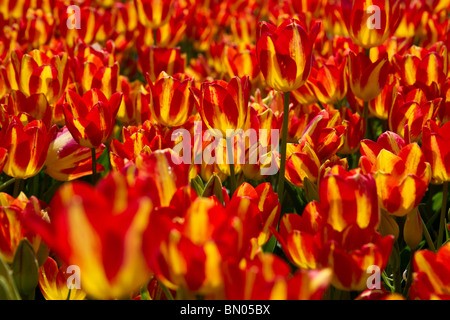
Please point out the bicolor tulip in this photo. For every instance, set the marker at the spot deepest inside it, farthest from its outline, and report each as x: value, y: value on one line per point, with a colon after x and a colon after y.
x: 431, y: 277
x: 411, y: 109
x: 39, y: 72
x: 370, y: 23
x: 355, y: 127
x: 268, y: 204
x: 27, y: 147
x: 67, y: 160
x: 136, y: 140
x: 400, y: 171
x: 154, y: 13
x: 91, y: 118
x: 329, y: 81
x: 54, y: 280
x: 339, y: 231
x: 223, y: 106
x: 171, y: 101
x: 285, y: 53
x: 267, y: 277
x: 436, y: 149
x: 110, y: 219
x: 241, y: 62
x: 27, y: 109
x: 367, y: 79
x: 36, y: 28
x: 154, y: 60
x: 135, y: 106
x: 12, y: 228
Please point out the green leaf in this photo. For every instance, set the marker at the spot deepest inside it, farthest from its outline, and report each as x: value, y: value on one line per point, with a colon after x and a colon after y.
x: 42, y: 253
x: 270, y: 245
x: 144, y: 293
x: 5, y: 290
x: 437, y: 201
x: 8, y: 287
x: 25, y: 268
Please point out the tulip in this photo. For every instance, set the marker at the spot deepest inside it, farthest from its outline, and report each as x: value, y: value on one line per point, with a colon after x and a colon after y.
x: 355, y: 128
x: 241, y: 62
x: 67, y: 160
x: 329, y: 81
x: 91, y: 118
x: 53, y: 282
x: 166, y: 173
x: 431, y: 279
x: 171, y: 103
x: 268, y: 204
x: 223, y: 106
x: 94, y: 68
x: 266, y: 277
x: 401, y: 173
x: 154, y: 13
x: 36, y: 72
x: 370, y: 23
x: 92, y: 19
x: 413, y: 229
x: 411, y: 109
x: 110, y: 219
x: 348, y: 197
x: 437, y: 150
x: 367, y: 78
x: 135, y: 108
x: 285, y: 53
x: 34, y: 107
x: 37, y: 27
x: 154, y: 60
x: 27, y: 147
x: 12, y: 228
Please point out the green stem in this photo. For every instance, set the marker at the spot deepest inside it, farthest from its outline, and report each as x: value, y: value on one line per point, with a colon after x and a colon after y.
x: 409, y: 277
x: 155, y: 42
x: 7, y: 183
x: 443, y: 210
x: 387, y: 282
x: 283, y: 147
x: 166, y: 291
x: 68, y: 295
x: 17, y: 184
x: 231, y: 162
x: 396, y: 272
x: 94, y: 167
x: 366, y: 104
x: 366, y: 119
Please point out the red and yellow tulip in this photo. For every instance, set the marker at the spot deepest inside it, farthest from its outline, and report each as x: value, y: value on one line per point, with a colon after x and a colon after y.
x: 91, y: 118
x: 285, y: 53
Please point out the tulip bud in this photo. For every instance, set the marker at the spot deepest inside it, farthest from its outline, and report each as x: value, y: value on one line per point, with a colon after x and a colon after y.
x: 25, y: 269
x: 388, y: 225
x: 413, y: 229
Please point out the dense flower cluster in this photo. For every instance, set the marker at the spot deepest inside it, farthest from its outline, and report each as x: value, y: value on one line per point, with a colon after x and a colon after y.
x: 126, y: 173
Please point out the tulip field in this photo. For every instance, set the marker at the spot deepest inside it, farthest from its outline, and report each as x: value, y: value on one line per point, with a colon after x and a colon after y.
x: 224, y: 150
